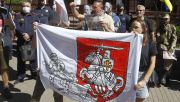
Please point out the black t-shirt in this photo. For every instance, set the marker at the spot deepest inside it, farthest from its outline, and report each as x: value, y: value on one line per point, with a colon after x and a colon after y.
x: 147, y: 51
x: 148, y: 23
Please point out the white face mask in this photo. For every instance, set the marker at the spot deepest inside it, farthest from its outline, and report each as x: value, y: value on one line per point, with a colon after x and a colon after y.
x: 26, y: 9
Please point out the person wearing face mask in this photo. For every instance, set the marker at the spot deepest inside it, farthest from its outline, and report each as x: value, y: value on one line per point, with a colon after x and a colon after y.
x: 24, y: 32
x: 166, y: 43
x: 108, y: 10
x: 98, y: 20
x: 43, y: 12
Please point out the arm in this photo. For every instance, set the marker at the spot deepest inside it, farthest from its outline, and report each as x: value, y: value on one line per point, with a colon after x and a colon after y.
x: 150, y: 69
x: 35, y: 24
x: 173, y: 39
x: 143, y: 82
x: 75, y: 12
x: 18, y: 19
x: 108, y: 24
x: 11, y: 25
x: 9, y: 22
x: 116, y: 24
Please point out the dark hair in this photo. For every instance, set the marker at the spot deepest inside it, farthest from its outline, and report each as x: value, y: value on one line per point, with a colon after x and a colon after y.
x: 145, y: 30
x: 118, y: 6
x: 99, y: 1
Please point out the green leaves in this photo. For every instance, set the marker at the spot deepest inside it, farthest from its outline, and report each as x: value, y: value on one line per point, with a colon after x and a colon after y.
x: 14, y: 1
x: 178, y: 31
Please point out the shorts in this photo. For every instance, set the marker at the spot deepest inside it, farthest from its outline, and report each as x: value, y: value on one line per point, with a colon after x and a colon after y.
x: 142, y: 92
x: 3, y: 64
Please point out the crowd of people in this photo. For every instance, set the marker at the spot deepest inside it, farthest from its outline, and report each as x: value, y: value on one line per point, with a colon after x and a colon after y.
x: 98, y: 17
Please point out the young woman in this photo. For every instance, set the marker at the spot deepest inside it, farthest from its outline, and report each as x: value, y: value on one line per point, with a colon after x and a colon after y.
x: 147, y: 62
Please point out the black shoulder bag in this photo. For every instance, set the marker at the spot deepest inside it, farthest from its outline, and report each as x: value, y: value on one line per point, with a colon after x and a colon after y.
x: 27, y: 52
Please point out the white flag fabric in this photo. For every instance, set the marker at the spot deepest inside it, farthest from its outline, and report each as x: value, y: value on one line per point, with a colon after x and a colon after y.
x: 62, y: 11
x: 77, y: 2
x: 89, y: 66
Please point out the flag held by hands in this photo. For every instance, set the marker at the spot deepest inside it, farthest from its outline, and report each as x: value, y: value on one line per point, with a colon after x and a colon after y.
x: 62, y: 12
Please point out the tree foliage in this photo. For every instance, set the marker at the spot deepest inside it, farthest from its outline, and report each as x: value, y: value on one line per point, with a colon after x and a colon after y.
x: 177, y: 2
x: 14, y: 1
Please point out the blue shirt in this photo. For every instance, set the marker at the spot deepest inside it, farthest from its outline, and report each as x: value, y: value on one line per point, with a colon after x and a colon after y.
x: 117, y: 21
x: 125, y: 19
x: 24, y: 24
x: 44, y: 14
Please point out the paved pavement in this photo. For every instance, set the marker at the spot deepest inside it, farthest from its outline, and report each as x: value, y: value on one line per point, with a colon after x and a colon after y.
x: 22, y: 91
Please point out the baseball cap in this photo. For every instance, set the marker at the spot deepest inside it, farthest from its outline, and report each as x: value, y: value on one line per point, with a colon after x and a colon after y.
x: 165, y: 15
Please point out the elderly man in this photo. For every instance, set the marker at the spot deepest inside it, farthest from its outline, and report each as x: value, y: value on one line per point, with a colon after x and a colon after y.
x: 166, y: 42
x: 140, y: 15
x: 108, y: 10
x: 98, y: 20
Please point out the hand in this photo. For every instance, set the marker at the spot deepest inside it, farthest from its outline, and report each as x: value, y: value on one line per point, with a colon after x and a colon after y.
x: 103, y: 24
x: 35, y: 24
x: 171, y: 51
x: 72, y: 4
x: 26, y: 37
x: 140, y: 84
x: 134, y: 32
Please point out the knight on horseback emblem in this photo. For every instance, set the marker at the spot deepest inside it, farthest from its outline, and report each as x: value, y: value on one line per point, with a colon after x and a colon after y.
x: 99, y: 73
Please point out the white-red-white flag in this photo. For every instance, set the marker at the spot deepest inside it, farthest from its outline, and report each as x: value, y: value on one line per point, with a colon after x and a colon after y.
x: 61, y: 11
x: 89, y: 66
